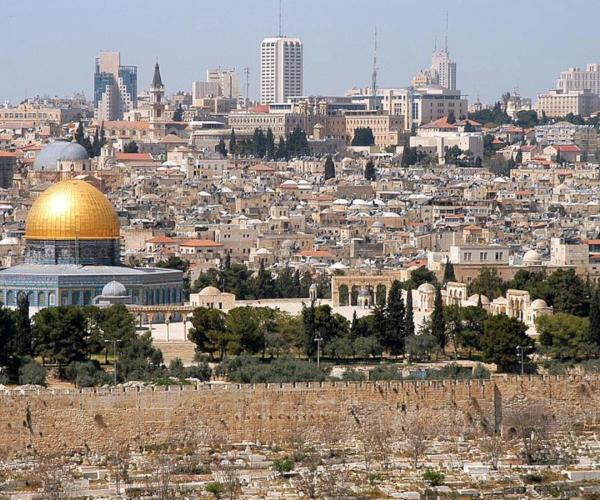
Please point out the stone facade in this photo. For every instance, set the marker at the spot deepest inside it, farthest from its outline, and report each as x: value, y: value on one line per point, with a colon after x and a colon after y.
x: 59, y: 421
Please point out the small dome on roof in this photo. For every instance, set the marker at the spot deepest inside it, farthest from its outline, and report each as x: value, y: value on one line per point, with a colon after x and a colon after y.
x: 114, y: 289
x: 210, y: 290
x: 539, y: 304
x: 531, y: 257
x: 426, y: 287
x: 263, y: 251
x: 475, y: 299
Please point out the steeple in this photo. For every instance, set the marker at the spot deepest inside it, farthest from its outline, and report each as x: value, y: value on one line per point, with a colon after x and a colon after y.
x: 157, y: 80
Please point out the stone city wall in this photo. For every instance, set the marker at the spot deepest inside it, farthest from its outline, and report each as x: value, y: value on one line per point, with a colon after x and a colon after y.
x: 61, y: 421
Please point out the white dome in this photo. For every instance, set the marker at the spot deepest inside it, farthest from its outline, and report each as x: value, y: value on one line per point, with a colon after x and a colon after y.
x: 9, y: 241
x: 539, y: 304
x: 210, y: 290
x: 289, y: 183
x: 531, y: 256
x: 475, y: 299
x: 263, y: 251
x: 426, y: 287
x: 114, y: 289
x: 340, y: 201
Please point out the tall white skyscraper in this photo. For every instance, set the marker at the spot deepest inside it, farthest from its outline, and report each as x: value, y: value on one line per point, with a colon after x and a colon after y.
x: 444, y: 68
x: 281, y: 69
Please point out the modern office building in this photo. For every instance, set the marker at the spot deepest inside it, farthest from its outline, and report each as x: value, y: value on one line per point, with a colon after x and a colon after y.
x: 577, y: 79
x: 281, y: 69
x: 115, y: 87
x: 559, y: 103
x: 227, y: 80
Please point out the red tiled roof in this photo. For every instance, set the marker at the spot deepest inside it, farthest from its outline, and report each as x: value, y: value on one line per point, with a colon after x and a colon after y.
x: 200, y: 243
x: 162, y: 239
x: 6, y: 154
x: 567, y: 148
x: 440, y: 123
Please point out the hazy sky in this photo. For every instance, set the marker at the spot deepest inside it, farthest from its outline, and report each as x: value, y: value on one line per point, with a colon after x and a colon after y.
x: 49, y: 46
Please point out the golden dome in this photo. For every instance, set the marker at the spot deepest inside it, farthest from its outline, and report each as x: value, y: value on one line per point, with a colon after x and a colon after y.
x: 72, y: 209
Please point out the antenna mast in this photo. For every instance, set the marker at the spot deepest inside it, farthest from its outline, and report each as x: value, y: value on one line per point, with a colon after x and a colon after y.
x: 374, y: 75
x: 279, y: 19
x: 446, y: 39
x: 247, y: 75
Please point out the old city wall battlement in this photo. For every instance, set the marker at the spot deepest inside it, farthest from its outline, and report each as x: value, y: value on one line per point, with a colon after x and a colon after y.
x: 59, y: 421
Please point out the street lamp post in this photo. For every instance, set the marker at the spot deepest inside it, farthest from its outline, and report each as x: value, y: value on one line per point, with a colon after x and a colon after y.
x: 114, y: 342
x: 520, y: 357
x: 318, y: 339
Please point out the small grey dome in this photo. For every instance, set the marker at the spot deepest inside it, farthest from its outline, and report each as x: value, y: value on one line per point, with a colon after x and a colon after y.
x: 114, y: 289
x: 60, y: 150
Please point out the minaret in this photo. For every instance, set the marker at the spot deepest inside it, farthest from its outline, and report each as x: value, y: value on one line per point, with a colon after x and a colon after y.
x: 157, y: 105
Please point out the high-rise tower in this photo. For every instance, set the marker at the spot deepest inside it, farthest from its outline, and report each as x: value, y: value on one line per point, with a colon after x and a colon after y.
x: 115, y: 87
x: 281, y: 69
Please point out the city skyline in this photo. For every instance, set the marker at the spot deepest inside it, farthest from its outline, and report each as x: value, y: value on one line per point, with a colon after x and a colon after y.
x: 406, y: 38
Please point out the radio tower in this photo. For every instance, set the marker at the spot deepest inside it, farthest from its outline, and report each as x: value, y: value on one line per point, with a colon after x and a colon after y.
x: 247, y: 75
x: 374, y: 75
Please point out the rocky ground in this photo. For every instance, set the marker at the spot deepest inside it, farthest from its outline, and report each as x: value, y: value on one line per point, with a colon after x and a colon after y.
x: 372, y: 466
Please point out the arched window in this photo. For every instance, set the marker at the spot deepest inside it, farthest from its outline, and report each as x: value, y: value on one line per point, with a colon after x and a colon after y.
x: 41, y: 299
x: 11, y: 298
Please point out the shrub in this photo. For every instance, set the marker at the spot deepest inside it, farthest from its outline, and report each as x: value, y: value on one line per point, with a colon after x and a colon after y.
x: 353, y: 375
x: 32, y: 373
x: 481, y: 372
x: 201, y: 371
x: 86, y: 374
x: 285, y: 465
x: 433, y: 477
x: 246, y: 369
x: 421, y: 347
x: 383, y: 372
x: 176, y: 368
x: 216, y: 489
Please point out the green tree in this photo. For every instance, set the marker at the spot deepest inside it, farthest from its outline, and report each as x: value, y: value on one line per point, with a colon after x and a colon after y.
x: 281, y: 153
x: 264, y: 285
x: 24, y: 332
x: 393, y: 339
x: 9, y: 361
x: 438, y: 323
x: 453, y: 322
x: 565, y: 291
x: 370, y: 172
x: 321, y: 322
x: 565, y: 336
x: 221, y: 148
x: 451, y: 118
x: 209, y: 332
x: 419, y: 276
x: 270, y: 144
x: 31, y: 372
x: 243, y: 325
x: 449, y: 271
x: 131, y: 147
x: 409, y: 318
x: 232, y: 142
x: 501, y: 337
x: 473, y: 318
x: 329, y: 168
x: 363, y: 136
x: 488, y: 283
x: 60, y: 334
x: 594, y: 317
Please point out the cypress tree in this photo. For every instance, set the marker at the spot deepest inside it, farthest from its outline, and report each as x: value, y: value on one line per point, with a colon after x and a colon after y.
x: 409, y: 319
x: 24, y: 337
x: 393, y: 339
x: 438, y: 324
x: 221, y: 149
x: 232, y: 142
x: 270, y: 144
x: 370, y: 173
x: 329, y: 168
x: 449, y: 271
x: 595, y: 317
